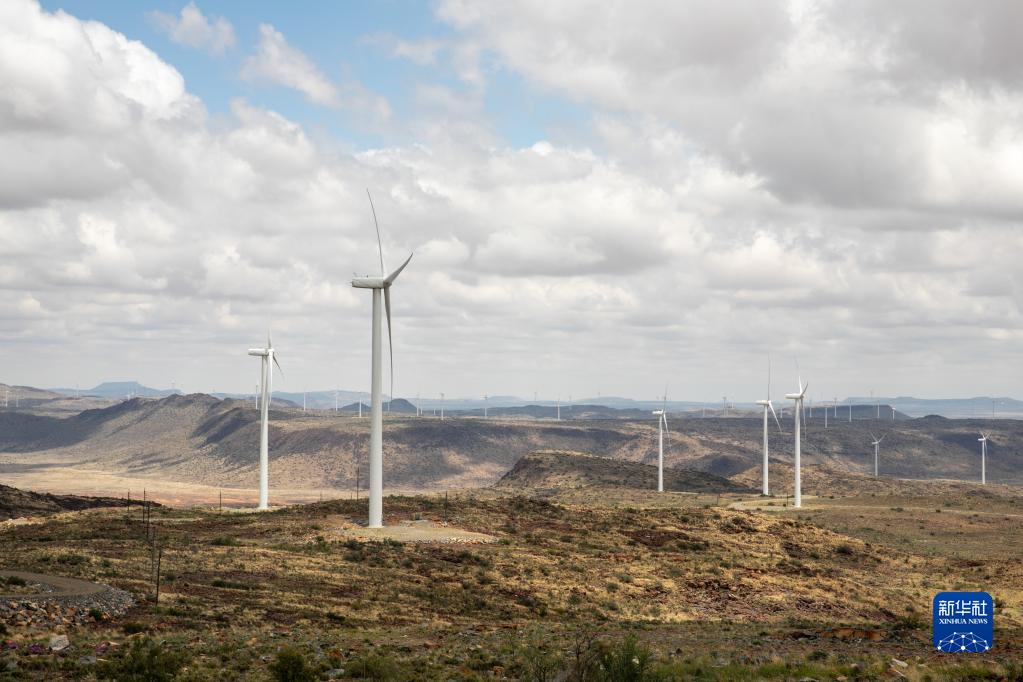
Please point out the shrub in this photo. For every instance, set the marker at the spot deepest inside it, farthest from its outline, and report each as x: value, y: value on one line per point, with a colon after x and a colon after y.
x: 143, y: 661
x: 627, y: 661
x: 224, y: 542
x: 290, y: 666
x: 374, y: 667
x: 133, y: 628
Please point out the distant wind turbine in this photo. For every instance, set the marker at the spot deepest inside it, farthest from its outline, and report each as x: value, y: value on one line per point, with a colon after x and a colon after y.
x: 662, y: 427
x: 797, y: 408
x: 983, y: 458
x: 485, y: 406
x: 381, y: 288
x: 268, y: 359
x: 559, y: 408
x: 768, y: 406
x: 876, y: 442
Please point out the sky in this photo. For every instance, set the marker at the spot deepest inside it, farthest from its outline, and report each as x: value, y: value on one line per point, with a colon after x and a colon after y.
x: 602, y: 199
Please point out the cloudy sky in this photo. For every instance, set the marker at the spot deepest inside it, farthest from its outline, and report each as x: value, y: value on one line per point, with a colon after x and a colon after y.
x: 602, y: 197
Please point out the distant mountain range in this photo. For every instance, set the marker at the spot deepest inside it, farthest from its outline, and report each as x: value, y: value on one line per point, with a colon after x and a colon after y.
x: 119, y: 389
x: 590, y: 408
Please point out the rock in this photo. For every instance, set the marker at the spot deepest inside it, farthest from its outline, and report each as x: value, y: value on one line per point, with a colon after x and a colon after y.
x: 901, y: 664
x: 59, y: 642
x: 87, y: 661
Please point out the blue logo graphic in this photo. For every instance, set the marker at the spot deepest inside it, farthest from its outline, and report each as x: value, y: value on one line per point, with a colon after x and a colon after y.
x: 964, y: 622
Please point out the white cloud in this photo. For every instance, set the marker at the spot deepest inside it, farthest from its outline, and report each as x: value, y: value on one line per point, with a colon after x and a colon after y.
x: 278, y: 62
x: 764, y: 191
x: 193, y: 29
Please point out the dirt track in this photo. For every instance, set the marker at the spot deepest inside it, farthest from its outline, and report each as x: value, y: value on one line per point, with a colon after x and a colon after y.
x: 61, y: 586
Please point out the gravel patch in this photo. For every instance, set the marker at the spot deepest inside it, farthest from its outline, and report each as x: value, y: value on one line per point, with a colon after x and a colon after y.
x: 61, y: 602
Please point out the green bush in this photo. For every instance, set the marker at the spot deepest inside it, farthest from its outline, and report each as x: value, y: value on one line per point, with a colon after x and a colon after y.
x: 374, y: 667
x: 626, y: 661
x: 290, y: 666
x: 143, y: 661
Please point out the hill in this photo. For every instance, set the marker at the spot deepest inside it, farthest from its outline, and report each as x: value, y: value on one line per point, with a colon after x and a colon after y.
x: 119, y: 389
x: 202, y: 441
x: 558, y: 470
x: 15, y: 503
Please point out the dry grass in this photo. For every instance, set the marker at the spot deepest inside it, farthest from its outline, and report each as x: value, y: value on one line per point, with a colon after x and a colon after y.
x: 777, y: 587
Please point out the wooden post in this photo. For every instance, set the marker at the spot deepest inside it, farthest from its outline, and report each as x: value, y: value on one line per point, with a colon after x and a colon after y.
x: 159, y: 560
x: 221, y: 500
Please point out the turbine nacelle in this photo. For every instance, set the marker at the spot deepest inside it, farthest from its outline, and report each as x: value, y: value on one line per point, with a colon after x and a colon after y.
x: 260, y: 352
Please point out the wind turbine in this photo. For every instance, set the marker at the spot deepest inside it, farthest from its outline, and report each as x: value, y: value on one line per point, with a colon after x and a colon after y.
x: 485, y: 398
x: 379, y: 285
x: 559, y: 408
x: 983, y: 458
x: 797, y: 408
x: 662, y: 427
x: 768, y: 406
x: 876, y: 443
x: 442, y: 406
x: 268, y: 358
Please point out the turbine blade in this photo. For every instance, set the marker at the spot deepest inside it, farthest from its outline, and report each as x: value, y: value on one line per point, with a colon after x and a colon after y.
x: 390, y: 343
x: 882, y: 438
x: 380, y: 247
x: 278, y: 365
x: 769, y: 404
x: 394, y: 275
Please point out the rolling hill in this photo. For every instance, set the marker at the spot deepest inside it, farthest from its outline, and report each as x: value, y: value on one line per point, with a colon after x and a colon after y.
x: 559, y: 470
x: 202, y: 440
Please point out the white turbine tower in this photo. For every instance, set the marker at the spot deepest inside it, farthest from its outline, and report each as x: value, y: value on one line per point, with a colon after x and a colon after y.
x: 381, y: 287
x: 768, y: 406
x: 983, y: 458
x: 662, y: 428
x: 268, y: 358
x: 797, y: 408
x: 876, y: 442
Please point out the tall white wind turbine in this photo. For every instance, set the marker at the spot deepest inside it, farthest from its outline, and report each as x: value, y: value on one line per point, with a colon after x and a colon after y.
x: 983, y: 458
x: 876, y: 442
x: 797, y: 409
x: 268, y: 358
x: 662, y: 428
x: 381, y: 287
x: 768, y: 406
